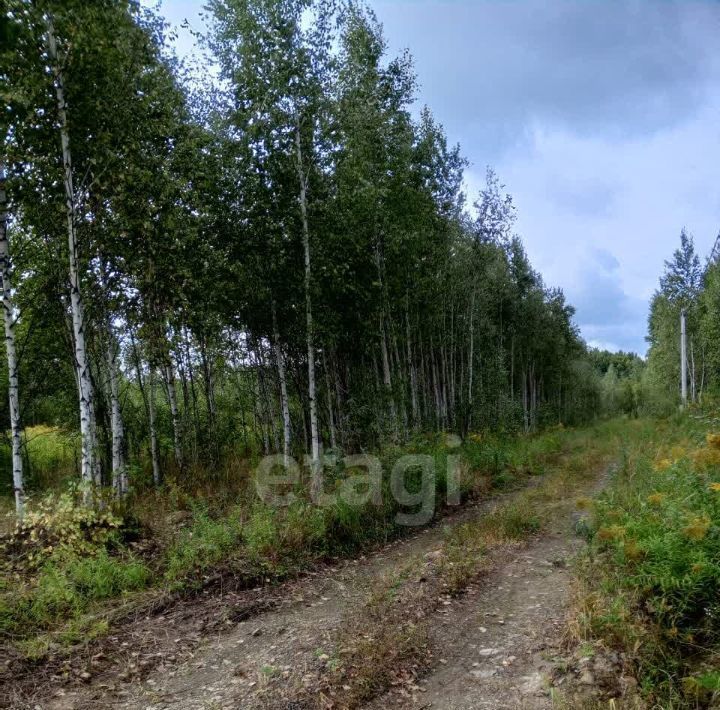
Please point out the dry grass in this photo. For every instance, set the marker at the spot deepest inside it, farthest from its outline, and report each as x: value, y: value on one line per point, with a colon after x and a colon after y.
x: 385, y: 642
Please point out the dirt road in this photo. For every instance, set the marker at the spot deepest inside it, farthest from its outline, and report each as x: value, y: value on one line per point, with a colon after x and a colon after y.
x: 496, y: 646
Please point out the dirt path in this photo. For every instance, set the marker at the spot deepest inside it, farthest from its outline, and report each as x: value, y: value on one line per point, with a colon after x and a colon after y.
x: 492, y: 648
x: 222, y: 652
x: 501, y: 645
x: 495, y: 647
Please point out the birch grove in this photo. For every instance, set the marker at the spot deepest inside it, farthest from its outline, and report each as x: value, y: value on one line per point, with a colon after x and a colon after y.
x: 283, y: 263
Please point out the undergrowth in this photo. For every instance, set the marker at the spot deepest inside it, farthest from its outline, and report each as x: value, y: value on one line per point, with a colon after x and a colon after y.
x: 68, y: 566
x: 650, y: 579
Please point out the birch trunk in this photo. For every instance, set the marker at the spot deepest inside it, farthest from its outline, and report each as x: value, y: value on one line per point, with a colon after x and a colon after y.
x: 411, y: 368
x: 387, y: 377
x: 312, y: 397
x: 174, y: 414
x: 154, y: 450
x: 209, y: 382
x: 12, y: 361
x: 693, y: 394
x: 282, y: 380
x: 471, y: 361
x: 193, y: 398
x: 148, y: 397
x: 331, y: 413
x: 90, y: 469
x: 119, y: 468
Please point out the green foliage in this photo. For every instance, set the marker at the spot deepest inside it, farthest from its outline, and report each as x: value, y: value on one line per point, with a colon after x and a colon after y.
x: 66, y: 586
x: 652, y: 566
x: 204, y: 543
x: 515, y: 521
x: 59, y: 523
x: 279, y: 538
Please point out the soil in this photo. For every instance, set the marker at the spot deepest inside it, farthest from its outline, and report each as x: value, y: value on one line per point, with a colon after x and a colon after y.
x: 500, y: 645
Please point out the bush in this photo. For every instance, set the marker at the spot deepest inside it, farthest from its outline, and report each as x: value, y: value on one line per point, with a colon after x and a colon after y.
x: 61, y: 524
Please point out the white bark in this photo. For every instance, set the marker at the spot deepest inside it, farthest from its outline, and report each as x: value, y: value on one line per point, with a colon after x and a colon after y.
x: 471, y: 360
x: 693, y: 392
x: 282, y: 379
x: 683, y: 360
x: 12, y: 361
x: 154, y: 455
x: 174, y: 413
x: 331, y: 413
x: 119, y: 467
x: 90, y: 468
x: 411, y: 369
x: 312, y: 397
x: 387, y: 376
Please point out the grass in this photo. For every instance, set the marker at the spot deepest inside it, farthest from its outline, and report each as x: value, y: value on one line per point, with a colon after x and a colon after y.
x: 388, y: 637
x: 649, y: 581
x: 70, y: 567
x: 51, y: 456
x: 203, y: 544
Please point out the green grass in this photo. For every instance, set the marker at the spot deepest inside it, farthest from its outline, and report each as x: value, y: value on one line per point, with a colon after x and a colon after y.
x: 70, y: 563
x: 652, y: 573
x: 202, y: 545
x: 52, y: 454
x: 65, y: 588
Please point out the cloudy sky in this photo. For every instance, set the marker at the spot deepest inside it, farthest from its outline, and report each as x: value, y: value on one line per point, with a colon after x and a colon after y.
x: 602, y: 119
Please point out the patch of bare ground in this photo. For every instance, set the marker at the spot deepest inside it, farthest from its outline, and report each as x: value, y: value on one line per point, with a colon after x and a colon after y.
x: 418, y: 624
x: 176, y: 651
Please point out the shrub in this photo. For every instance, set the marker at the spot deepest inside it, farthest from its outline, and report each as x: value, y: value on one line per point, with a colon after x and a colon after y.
x: 61, y: 524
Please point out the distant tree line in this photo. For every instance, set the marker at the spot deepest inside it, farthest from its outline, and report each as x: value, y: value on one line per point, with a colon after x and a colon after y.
x: 687, y: 284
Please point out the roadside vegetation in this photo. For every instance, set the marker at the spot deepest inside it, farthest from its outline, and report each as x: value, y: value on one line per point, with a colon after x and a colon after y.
x: 387, y: 639
x: 649, y: 580
x: 69, y: 571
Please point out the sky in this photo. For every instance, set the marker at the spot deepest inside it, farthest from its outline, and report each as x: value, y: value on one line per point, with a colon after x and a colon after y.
x: 601, y: 119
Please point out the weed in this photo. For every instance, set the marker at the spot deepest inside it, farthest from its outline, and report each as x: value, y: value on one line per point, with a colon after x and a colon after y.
x: 203, y: 544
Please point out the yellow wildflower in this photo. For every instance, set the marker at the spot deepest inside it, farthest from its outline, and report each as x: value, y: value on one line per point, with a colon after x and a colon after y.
x: 677, y: 452
x: 697, y: 528
x: 663, y: 465
x: 656, y: 498
x: 715, y: 486
x: 713, y: 440
x: 704, y: 458
x: 611, y: 532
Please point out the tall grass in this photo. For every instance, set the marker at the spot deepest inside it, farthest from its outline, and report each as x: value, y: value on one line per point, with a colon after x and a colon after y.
x: 652, y: 572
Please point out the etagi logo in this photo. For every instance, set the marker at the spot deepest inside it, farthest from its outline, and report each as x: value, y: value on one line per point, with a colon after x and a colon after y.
x: 413, y: 482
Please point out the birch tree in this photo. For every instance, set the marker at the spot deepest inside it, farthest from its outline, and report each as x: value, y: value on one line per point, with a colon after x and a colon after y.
x: 277, y: 71
x: 9, y: 319
x: 90, y: 468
